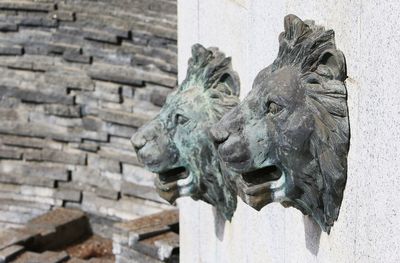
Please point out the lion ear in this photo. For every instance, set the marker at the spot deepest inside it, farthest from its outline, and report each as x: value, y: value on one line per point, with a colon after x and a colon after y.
x: 196, y: 64
x: 209, y: 69
x: 220, y: 76
x: 332, y: 64
x: 200, y: 55
x: 228, y: 83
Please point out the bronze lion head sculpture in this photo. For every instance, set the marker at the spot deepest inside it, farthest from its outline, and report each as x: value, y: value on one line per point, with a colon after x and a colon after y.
x: 288, y: 139
x: 176, y: 143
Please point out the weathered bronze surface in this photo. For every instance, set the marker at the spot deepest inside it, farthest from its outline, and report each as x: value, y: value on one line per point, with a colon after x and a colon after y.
x: 176, y: 144
x: 289, y: 138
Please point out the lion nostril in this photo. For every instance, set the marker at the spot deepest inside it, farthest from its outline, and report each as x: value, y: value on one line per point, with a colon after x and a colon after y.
x: 219, y: 135
x: 138, y: 141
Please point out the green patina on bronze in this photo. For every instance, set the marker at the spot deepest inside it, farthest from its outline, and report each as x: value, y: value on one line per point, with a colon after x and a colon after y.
x: 176, y: 144
x: 289, y: 138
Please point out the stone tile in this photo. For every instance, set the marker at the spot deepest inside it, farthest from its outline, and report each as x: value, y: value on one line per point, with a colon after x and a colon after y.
x: 94, y: 178
x: 41, y: 131
x: 28, y: 142
x: 36, y: 96
x: 76, y: 56
x: 141, y: 191
x: 24, y: 206
x: 129, y: 119
x: 10, y: 50
x: 48, y: 257
x: 99, y: 35
x: 10, y: 237
x: 26, y: 5
x: 107, y: 193
x: 50, y: 171
x: 6, y: 254
x: 63, y: 15
x: 118, y: 130
x: 58, y: 228
x: 130, y: 255
x: 13, y: 192
x: 149, y: 226
x: 68, y: 195
x: 17, y: 178
x: 10, y: 153
x: 123, y: 156
x: 103, y: 164
x: 62, y: 110
x: 132, y: 76
x: 56, y: 156
x: 160, y: 246
x: 8, y: 26
x: 138, y: 175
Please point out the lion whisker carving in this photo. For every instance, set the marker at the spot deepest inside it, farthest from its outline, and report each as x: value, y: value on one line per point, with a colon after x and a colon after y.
x: 176, y: 144
x: 288, y: 139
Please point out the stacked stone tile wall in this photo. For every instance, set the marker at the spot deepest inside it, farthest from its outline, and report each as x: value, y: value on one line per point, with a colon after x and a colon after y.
x: 77, y: 78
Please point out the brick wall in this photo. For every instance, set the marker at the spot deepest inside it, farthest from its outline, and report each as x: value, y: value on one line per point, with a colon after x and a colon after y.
x: 77, y: 78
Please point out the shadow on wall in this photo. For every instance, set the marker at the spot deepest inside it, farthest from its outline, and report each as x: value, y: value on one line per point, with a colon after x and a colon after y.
x: 219, y: 224
x: 312, y: 231
x: 312, y: 235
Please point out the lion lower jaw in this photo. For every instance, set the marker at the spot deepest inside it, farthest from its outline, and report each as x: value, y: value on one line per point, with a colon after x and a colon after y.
x: 185, y: 185
x: 279, y: 189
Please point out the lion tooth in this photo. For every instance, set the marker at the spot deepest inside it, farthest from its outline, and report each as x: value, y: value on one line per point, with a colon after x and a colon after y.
x: 279, y: 188
x: 185, y: 181
x: 185, y: 185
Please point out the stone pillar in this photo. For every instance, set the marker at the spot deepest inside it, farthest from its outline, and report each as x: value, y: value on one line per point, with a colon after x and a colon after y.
x: 368, y: 226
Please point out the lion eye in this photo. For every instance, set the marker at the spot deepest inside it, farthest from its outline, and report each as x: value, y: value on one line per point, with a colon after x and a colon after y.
x: 180, y: 119
x: 274, y: 108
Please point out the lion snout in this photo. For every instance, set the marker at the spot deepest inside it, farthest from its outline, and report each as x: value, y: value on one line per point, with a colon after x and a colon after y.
x: 219, y: 134
x: 234, y: 150
x: 138, y: 141
x: 146, y: 133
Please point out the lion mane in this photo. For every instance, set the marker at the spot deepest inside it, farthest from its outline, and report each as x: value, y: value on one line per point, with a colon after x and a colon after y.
x: 311, y: 49
x: 212, y: 70
x: 210, y: 89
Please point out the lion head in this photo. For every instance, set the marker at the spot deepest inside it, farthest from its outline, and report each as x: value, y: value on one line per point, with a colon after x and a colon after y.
x: 176, y: 144
x: 288, y: 139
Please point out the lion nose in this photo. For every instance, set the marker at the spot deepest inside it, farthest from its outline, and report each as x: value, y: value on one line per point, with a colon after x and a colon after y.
x: 138, y: 141
x: 218, y: 134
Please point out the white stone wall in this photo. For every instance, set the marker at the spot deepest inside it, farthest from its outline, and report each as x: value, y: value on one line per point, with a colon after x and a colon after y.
x: 368, y: 229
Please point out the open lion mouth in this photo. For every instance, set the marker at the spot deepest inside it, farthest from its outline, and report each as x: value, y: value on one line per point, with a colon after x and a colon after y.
x: 173, y: 175
x: 258, y: 181
x: 167, y: 183
x: 260, y: 187
x: 174, y: 183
